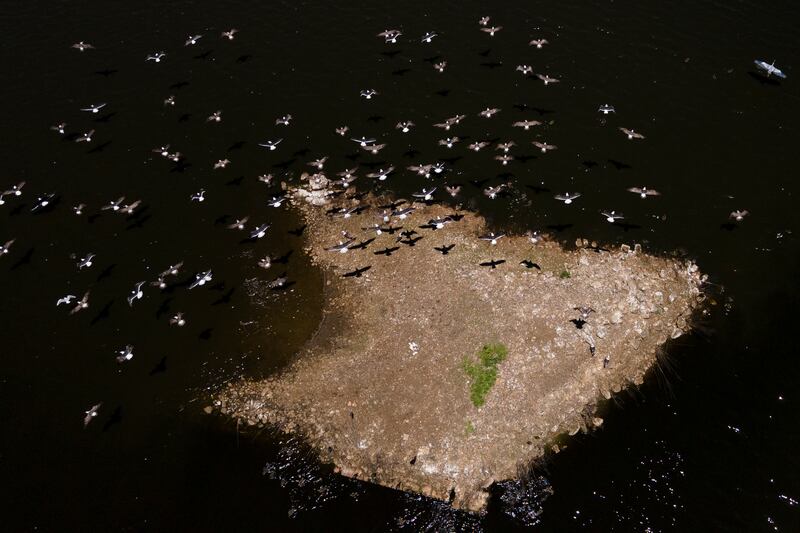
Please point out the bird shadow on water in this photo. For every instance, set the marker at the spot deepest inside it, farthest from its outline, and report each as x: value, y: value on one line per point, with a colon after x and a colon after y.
x: 24, y: 260
x: 225, y: 298
x: 164, y: 308
x: 106, y: 118
x: 106, y: 73
x: 205, y: 334
x: 114, y: 419
x: 160, y: 367
x: 106, y: 272
x: 103, y: 314
x: 99, y: 148
x: 764, y: 80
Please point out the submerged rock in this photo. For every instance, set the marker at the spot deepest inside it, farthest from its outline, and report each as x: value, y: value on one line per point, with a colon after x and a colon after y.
x: 380, y: 391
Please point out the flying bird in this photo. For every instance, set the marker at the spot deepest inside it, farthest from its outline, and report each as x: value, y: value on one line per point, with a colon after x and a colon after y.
x: 631, y: 134
x: 91, y: 414
x: 770, y: 68
x: 644, y: 192
x: 136, y: 293
x: 567, y: 198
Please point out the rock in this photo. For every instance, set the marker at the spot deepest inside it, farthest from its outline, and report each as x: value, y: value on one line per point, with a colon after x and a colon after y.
x: 208, y: 409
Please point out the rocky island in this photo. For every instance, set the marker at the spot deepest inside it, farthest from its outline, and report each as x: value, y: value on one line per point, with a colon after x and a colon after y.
x: 444, y: 363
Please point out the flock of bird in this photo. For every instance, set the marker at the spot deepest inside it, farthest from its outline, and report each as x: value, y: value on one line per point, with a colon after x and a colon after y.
x: 398, y: 211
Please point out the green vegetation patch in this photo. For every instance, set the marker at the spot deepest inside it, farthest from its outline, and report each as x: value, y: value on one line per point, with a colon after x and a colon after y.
x: 483, y: 373
x: 565, y: 274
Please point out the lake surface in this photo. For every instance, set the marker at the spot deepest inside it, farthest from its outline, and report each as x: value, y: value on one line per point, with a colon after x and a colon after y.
x: 707, y: 444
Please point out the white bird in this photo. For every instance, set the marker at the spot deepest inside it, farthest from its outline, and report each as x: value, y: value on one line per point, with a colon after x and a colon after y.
x: 259, y: 231
x: 81, y: 46
x: 157, y: 57
x: 342, y: 130
x: 6, y: 247
x: 229, y: 34
x: 390, y: 36
x: 239, y: 223
x: 216, y: 116
x: 538, y: 43
x: 612, y: 216
x: 81, y: 304
x: 492, y: 238
x: 405, y: 127
x: 425, y: 195
x: 631, y: 133
x: 363, y: 141
x: 368, y: 93
x: 489, y: 112
x: 199, y: 196
x: 506, y: 146
x: 381, y: 174
x: 526, y: 124
x: 478, y: 146
x: 484, y: 21
x: 428, y: 37
x: 113, y: 205
x: 192, y: 39
x: 544, y: 147
x: 284, y: 120
x: 547, y: 79
x: 448, y: 142
x: 492, y: 30
x: 136, y: 293
x: 272, y: 145
x: 66, y: 299
x: 59, y: 128
x: 276, y: 201
x: 567, y: 197
x: 318, y: 163
x: 201, y: 279
x: 644, y: 192
x: 86, y: 261
x: 78, y: 209
x: 91, y: 414
x: 125, y: 354
x: 169, y: 100
x: 374, y: 148
x: 606, y: 109
x: 440, y: 66
x: 86, y: 137
x: 93, y: 108
x: 221, y: 163
x: 739, y: 215
x: 177, y: 320
x: 525, y: 69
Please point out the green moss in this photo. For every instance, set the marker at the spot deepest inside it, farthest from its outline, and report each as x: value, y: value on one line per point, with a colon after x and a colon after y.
x: 565, y: 274
x: 483, y: 373
x: 469, y: 429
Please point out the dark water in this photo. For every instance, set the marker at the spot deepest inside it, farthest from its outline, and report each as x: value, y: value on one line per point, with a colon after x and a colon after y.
x: 708, y: 443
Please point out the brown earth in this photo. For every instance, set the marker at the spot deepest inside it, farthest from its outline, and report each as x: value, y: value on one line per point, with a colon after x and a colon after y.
x: 401, y: 417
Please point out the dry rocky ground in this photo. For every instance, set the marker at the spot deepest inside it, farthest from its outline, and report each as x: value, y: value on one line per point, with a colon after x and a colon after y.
x: 380, y: 390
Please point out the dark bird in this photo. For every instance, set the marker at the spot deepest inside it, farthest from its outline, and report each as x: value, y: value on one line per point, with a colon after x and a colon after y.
x: 387, y: 251
x: 530, y: 264
x: 357, y: 273
x: 444, y: 249
x: 493, y: 263
x: 362, y: 245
